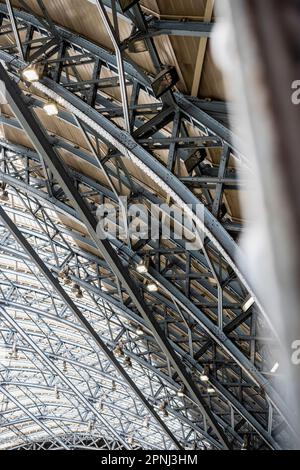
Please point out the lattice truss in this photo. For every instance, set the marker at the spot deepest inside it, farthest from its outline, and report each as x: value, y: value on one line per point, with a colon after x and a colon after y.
x: 75, y: 442
x: 184, y: 366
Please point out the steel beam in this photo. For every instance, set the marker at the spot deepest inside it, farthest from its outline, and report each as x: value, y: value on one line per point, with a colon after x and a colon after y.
x: 217, y: 335
x: 121, y: 72
x: 81, y: 318
x: 49, y: 363
x: 55, y: 164
x: 15, y: 28
x: 133, y: 72
x: 180, y: 28
x: 31, y: 416
x: 235, y: 404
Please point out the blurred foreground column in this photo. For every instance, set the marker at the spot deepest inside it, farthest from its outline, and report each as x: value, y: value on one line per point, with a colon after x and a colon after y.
x: 258, y: 47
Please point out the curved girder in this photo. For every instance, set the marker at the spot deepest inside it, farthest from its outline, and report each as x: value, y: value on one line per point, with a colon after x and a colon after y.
x: 109, y: 405
x: 40, y: 336
x: 178, y: 191
x: 192, y: 108
x: 136, y: 358
x: 126, y: 254
x: 73, y: 441
x: 248, y: 366
x: 23, y: 308
x: 86, y: 285
x: 156, y: 276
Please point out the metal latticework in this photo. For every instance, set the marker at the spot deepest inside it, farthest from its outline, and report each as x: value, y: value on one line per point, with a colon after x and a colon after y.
x: 75, y: 442
x: 87, y: 350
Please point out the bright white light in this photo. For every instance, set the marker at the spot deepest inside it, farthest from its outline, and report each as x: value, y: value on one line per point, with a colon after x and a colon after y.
x: 51, y: 109
x: 30, y: 74
x: 181, y: 392
x: 248, y: 304
x: 139, y: 331
x: 146, y: 422
x: 142, y: 268
x: 275, y: 368
x: 152, y: 287
x: 210, y: 390
x: 204, y: 378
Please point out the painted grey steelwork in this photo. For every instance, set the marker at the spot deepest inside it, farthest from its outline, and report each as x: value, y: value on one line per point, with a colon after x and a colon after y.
x: 211, y: 223
x: 78, y: 314
x: 131, y: 71
x: 178, y: 301
x: 179, y: 28
x: 58, y: 169
x: 116, y: 43
x: 21, y: 349
x: 228, y: 397
x: 14, y: 27
x: 74, y: 442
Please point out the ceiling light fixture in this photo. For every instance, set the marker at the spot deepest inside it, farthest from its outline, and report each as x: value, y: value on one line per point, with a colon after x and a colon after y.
x: 77, y: 291
x: 64, y: 274
x: 33, y: 73
x: 195, y: 159
x: 275, y: 368
x: 14, y: 350
x: 248, y: 304
x: 152, y: 287
x: 4, y: 197
x: 130, y: 440
x: 139, y: 331
x: 181, y: 392
x: 51, y: 108
x: 91, y: 425
x: 142, y: 268
x: 204, y: 377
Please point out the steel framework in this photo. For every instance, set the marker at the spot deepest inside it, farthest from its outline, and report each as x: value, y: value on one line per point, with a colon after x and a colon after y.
x: 60, y: 374
x: 75, y: 442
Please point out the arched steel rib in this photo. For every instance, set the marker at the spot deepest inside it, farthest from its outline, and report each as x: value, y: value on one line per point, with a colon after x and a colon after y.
x: 190, y: 107
x: 80, y: 317
x: 252, y: 372
x: 222, y: 390
x: 54, y: 163
x: 48, y: 431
